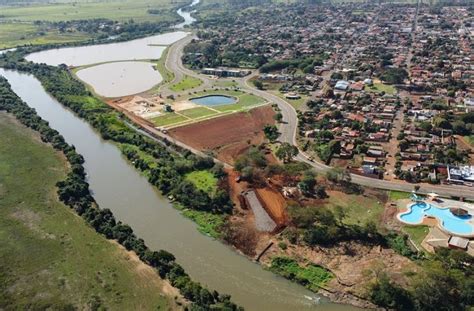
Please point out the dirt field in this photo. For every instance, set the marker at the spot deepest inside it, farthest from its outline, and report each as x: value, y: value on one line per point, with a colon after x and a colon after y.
x: 275, y: 205
x: 228, y: 136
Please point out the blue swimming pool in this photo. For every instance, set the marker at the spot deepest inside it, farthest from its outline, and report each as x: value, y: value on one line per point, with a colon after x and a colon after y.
x: 214, y: 100
x: 449, y: 221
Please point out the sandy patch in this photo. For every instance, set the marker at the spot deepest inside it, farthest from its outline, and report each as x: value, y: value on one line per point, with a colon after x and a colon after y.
x: 183, y: 105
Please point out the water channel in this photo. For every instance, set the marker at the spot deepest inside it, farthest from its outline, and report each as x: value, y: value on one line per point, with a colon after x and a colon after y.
x: 118, y: 186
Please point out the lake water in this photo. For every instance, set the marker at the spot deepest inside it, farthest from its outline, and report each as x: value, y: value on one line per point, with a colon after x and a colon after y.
x: 118, y: 186
x: 213, y: 100
x: 120, y: 78
x: 139, y: 49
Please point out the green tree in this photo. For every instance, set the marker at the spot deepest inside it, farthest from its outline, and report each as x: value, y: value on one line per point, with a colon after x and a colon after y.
x: 286, y: 152
x: 307, y: 183
x: 271, y: 132
x: 258, y: 84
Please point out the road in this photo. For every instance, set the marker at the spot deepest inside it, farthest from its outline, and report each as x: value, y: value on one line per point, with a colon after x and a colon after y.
x: 288, y: 129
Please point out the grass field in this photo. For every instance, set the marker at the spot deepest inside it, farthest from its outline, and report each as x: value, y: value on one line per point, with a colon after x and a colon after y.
x: 398, y: 195
x: 187, y: 83
x: 296, y: 103
x: 167, y: 75
x: 358, y: 209
x: 123, y: 10
x: 14, y: 34
x: 49, y: 257
x: 416, y: 233
x: 203, y: 180
x: 380, y: 87
x: 168, y: 119
x: 196, y: 113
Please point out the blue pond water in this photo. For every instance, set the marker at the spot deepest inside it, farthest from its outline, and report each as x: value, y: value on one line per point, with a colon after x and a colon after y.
x: 214, y: 100
x: 449, y: 221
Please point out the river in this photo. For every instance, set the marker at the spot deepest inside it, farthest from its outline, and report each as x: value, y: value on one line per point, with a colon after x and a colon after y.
x: 188, y: 19
x: 118, y: 186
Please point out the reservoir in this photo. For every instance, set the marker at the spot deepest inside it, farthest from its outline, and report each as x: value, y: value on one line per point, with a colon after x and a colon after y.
x: 118, y: 186
x: 213, y: 100
x: 140, y: 49
x: 120, y: 78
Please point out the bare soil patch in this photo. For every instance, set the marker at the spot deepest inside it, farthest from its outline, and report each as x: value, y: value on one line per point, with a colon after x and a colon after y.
x: 275, y: 205
x: 227, y: 136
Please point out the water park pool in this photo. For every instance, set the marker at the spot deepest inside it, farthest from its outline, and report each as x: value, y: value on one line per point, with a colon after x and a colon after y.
x: 454, y: 224
x: 214, y: 100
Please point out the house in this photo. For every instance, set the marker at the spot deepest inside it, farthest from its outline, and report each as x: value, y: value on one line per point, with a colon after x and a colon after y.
x: 342, y: 85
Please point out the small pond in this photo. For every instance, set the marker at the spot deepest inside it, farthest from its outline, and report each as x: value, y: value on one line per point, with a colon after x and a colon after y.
x: 214, y: 100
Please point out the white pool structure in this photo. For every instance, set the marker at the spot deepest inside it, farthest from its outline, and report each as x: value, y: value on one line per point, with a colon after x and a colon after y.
x: 460, y: 225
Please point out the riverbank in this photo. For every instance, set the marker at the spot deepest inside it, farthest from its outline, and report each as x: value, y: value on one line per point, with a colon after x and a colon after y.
x: 50, y: 258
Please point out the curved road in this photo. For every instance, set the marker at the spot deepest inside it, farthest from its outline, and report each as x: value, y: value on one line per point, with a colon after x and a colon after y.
x: 288, y: 129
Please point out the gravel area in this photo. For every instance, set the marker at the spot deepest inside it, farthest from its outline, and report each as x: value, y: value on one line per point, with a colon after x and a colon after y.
x: 263, y: 222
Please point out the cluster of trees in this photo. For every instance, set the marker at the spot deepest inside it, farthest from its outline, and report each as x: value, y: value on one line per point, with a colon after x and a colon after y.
x: 445, y: 284
x: 394, y: 75
x: 322, y: 226
x: 74, y: 190
x: 271, y: 132
x: 305, y: 64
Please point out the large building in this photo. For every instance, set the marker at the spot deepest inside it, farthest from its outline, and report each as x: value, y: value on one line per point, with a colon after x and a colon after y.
x: 461, y: 175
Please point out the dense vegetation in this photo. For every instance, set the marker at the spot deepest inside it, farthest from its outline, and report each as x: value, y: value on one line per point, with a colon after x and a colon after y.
x: 74, y: 190
x: 311, y: 276
x: 445, y: 284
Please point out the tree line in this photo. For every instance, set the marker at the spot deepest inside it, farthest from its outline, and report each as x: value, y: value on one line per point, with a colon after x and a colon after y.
x: 74, y: 192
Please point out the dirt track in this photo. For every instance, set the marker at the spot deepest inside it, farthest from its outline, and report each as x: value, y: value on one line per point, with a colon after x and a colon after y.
x: 228, y: 136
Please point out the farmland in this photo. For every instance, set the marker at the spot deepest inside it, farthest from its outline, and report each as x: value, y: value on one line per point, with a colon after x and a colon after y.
x: 241, y: 129
x: 77, y: 10
x: 13, y: 34
x: 49, y: 257
x: 22, y: 24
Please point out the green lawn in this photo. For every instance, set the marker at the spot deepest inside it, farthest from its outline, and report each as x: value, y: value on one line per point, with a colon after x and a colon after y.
x: 199, y: 112
x: 226, y: 83
x: 203, y: 180
x: 49, y: 257
x: 14, y: 34
x: 380, y: 87
x: 398, y: 195
x: 358, y: 209
x: 416, y: 233
x: 244, y: 100
x: 167, y: 75
x: 187, y: 83
x: 168, y: 118
x: 296, y: 103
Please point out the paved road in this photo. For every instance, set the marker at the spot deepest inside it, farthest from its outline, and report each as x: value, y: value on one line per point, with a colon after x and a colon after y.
x: 289, y: 127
